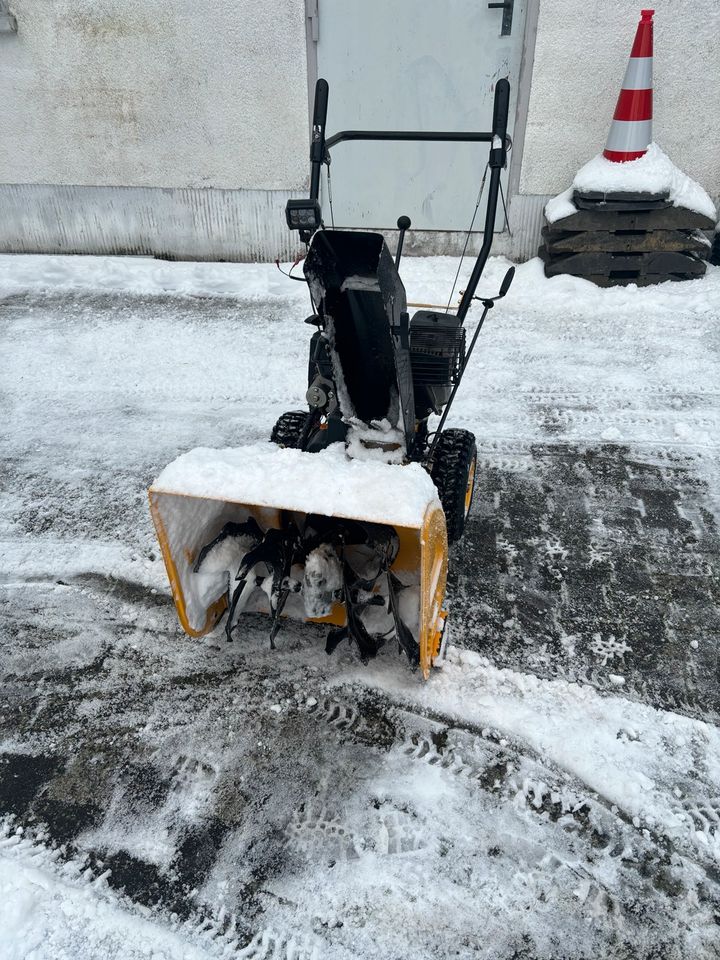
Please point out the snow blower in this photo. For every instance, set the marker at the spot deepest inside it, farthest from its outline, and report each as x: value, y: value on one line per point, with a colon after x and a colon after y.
x: 344, y: 518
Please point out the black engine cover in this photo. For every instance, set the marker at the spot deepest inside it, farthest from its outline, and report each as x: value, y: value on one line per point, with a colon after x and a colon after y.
x: 437, y: 354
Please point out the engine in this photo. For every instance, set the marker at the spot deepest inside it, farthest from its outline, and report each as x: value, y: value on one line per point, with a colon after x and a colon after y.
x: 437, y: 354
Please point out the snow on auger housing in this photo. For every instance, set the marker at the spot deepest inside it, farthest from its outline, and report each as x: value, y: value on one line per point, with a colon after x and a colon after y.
x: 345, y: 517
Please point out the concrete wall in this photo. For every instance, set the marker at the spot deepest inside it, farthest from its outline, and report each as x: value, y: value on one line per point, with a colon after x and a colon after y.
x: 140, y: 98
x: 155, y: 93
x: 581, y: 51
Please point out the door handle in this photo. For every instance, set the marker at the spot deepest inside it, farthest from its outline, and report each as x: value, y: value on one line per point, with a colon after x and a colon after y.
x: 507, y: 18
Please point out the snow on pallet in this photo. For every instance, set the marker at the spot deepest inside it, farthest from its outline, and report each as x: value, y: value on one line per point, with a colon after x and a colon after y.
x: 634, y: 222
x: 654, y: 174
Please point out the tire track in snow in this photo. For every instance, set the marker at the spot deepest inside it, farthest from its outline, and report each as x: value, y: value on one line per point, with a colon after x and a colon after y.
x: 271, y: 945
x: 87, y: 899
x: 513, y: 772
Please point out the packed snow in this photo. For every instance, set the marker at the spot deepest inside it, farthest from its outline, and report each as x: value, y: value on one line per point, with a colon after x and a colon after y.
x: 142, y: 276
x: 654, y: 172
x: 174, y: 798
x: 577, y: 730
x: 328, y: 482
x: 52, y: 910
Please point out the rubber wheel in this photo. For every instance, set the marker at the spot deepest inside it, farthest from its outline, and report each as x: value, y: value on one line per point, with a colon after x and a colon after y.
x: 289, y: 428
x: 453, y: 473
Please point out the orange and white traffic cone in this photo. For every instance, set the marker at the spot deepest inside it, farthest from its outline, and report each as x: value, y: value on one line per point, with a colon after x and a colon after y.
x: 631, y: 130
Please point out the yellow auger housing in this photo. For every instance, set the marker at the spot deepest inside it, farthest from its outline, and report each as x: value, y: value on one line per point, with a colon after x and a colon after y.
x: 270, y: 490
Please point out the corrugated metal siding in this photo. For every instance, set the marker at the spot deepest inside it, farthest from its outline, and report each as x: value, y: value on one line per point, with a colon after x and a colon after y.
x: 183, y: 224
x: 526, y: 221
x: 200, y: 224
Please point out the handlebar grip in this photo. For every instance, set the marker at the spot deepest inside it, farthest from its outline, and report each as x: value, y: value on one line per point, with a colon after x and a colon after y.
x: 501, y: 109
x: 321, y: 103
x: 317, y: 144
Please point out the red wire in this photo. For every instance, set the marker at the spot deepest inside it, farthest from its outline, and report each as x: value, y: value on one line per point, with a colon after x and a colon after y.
x: 288, y: 273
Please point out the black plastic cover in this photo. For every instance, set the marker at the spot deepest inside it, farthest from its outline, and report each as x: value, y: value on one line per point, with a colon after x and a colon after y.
x: 360, y: 297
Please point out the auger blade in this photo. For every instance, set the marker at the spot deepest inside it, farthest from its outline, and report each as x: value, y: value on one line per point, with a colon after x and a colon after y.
x: 403, y: 633
x: 358, y: 546
x: 217, y: 550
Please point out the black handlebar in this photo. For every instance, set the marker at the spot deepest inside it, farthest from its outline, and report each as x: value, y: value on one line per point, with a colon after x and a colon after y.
x: 497, y: 138
x: 317, y: 147
x: 497, y: 162
x: 501, y: 108
x: 321, y: 103
x: 443, y: 136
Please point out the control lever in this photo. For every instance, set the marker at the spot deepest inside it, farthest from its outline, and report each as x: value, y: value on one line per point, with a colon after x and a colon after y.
x: 403, y: 225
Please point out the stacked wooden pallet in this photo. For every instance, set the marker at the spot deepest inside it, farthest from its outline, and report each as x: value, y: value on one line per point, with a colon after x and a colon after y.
x: 621, y: 238
x: 715, y: 252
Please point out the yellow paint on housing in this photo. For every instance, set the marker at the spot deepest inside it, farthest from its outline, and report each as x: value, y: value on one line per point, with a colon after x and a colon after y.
x: 184, y: 524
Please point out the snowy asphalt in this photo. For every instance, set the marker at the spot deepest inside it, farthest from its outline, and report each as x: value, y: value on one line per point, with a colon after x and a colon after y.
x: 553, y: 791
